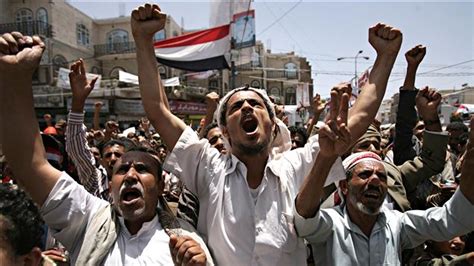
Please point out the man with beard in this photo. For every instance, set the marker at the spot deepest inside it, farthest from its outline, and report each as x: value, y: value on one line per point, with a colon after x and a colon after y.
x: 404, y: 179
x: 364, y: 232
x: 132, y: 229
x: 93, y: 176
x: 246, y: 196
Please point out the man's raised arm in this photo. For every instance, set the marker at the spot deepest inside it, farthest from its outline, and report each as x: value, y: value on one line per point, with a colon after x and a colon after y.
x: 146, y: 20
x: 19, y: 133
x: 386, y: 40
x: 467, y: 174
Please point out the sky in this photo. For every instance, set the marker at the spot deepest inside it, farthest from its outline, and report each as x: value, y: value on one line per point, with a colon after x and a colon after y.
x: 325, y: 31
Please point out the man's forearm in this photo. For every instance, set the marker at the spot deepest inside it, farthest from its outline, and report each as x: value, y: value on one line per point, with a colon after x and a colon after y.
x: 22, y: 142
x: 154, y: 97
x: 409, y: 83
x: 365, y: 108
x: 309, y: 196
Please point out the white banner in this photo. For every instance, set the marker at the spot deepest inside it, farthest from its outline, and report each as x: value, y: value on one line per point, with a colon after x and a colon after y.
x: 133, y: 79
x: 302, y: 95
x: 63, y: 78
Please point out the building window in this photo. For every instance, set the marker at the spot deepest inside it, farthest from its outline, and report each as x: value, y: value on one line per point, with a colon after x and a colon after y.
x: 255, y: 84
x: 290, y: 96
x: 24, y: 15
x: 117, y: 41
x: 162, y: 71
x: 275, y: 94
x: 175, y: 33
x: 24, y: 21
x: 82, y: 35
x: 114, y: 73
x: 58, y: 62
x: 255, y: 59
x: 42, y: 21
x: 213, y: 85
x: 291, y: 71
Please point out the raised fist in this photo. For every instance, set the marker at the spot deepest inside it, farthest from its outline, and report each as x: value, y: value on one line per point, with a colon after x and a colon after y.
x: 427, y: 102
x: 385, y: 39
x: 20, y: 54
x: 415, y: 55
x: 212, y: 100
x: 146, y: 20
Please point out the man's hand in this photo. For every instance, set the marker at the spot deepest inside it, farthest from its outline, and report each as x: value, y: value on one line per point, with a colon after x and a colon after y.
x: 146, y: 20
x: 20, y: 54
x: 415, y: 55
x: 111, y: 129
x: 427, y: 102
x: 186, y: 251
x: 80, y: 86
x: 145, y: 124
x: 98, y: 105
x: 334, y: 136
x: 385, y: 39
x: 317, y: 105
x: 212, y: 100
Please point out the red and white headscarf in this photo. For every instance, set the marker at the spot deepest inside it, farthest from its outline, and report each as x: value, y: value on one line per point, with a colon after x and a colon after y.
x: 358, y: 157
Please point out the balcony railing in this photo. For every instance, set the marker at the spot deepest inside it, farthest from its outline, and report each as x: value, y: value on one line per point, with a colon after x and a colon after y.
x: 114, y: 48
x: 281, y: 74
x: 29, y: 28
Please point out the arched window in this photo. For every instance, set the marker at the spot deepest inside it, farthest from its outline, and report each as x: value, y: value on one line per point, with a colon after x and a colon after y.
x: 275, y: 94
x: 42, y: 20
x: 291, y: 71
x: 82, y: 33
x: 24, y: 15
x: 255, y: 83
x: 114, y: 73
x: 162, y: 71
x: 175, y: 33
x: 290, y: 96
x: 58, y: 62
x: 117, y: 41
x: 24, y: 21
x: 255, y: 59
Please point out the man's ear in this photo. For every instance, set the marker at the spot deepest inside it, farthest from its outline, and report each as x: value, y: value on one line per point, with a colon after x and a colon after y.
x: 32, y: 258
x: 344, y: 187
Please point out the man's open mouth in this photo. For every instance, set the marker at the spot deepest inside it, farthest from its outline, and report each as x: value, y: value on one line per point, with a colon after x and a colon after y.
x: 129, y: 195
x: 372, y: 194
x: 249, y: 124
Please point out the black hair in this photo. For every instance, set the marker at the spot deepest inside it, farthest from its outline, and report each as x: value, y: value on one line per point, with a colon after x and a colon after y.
x: 457, y: 126
x: 223, y: 120
x: 23, y: 225
x: 299, y: 130
x: 208, y: 128
x: 126, y: 143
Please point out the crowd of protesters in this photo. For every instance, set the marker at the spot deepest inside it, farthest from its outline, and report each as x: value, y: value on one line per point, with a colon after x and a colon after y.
x: 242, y: 189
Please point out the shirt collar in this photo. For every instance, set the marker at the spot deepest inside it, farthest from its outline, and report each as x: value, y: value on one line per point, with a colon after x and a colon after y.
x: 146, y: 227
x: 379, y: 224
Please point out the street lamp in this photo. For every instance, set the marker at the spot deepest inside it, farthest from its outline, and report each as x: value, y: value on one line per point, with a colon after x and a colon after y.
x: 355, y: 64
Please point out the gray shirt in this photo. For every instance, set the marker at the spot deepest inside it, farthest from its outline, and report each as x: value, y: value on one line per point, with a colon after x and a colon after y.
x: 338, y: 241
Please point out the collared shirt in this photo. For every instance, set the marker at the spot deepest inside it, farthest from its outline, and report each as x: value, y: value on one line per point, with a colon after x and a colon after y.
x: 238, y: 230
x: 94, y: 179
x: 336, y: 240
x: 68, y: 210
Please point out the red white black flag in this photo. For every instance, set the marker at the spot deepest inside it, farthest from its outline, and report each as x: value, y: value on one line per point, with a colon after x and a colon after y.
x: 197, y: 51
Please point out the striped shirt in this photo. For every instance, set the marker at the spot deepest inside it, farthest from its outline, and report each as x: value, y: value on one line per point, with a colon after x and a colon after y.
x: 94, y: 179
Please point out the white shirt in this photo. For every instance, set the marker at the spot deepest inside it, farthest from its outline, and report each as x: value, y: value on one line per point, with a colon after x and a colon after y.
x: 68, y: 210
x: 336, y: 240
x: 238, y: 231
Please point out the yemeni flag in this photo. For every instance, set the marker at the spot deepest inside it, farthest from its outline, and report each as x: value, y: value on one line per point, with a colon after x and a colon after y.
x: 196, y: 51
